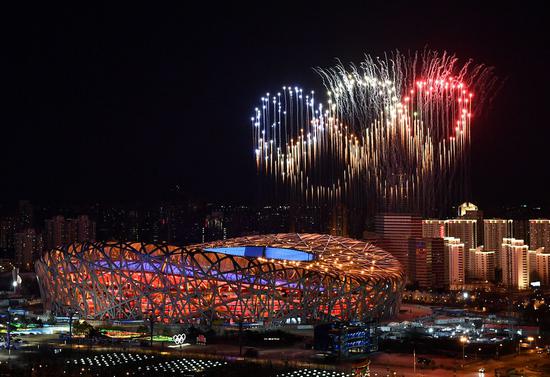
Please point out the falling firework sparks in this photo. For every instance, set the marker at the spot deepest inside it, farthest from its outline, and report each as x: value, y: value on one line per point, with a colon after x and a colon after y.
x: 394, y: 134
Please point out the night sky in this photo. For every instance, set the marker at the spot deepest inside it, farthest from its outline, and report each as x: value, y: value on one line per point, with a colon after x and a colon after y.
x: 114, y: 103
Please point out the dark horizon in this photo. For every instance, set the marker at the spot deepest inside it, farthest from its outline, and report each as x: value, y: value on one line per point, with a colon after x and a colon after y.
x: 112, y: 105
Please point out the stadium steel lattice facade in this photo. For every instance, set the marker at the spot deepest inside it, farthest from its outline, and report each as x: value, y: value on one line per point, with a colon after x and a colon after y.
x: 274, y: 279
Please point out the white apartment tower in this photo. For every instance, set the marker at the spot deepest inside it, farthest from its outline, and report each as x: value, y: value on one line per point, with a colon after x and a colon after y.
x: 454, y: 250
x: 514, y: 261
x: 494, y: 231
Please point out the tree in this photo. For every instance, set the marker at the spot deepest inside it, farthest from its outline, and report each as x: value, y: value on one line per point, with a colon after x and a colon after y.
x: 51, y: 319
x: 82, y: 328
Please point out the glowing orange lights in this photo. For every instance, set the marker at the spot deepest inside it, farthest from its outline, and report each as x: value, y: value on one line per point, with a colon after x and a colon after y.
x: 322, y: 278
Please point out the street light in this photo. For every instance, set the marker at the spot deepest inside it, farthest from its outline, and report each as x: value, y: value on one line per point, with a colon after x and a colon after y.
x: 71, y: 316
x: 414, y: 361
x: 8, y: 333
x: 463, y: 340
x: 530, y: 340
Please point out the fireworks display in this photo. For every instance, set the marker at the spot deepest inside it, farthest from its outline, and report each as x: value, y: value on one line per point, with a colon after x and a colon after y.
x: 393, y: 135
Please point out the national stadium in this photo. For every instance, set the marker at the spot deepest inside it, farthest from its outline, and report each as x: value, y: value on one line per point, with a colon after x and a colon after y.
x: 271, y: 280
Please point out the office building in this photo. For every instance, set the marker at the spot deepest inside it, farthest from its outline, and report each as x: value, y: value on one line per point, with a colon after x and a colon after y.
x: 394, y: 230
x: 427, y: 263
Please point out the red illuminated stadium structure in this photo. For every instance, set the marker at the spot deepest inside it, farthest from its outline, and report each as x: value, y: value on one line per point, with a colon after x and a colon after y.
x: 272, y: 279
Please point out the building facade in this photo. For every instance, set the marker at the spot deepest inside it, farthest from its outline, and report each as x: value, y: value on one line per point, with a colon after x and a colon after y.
x: 515, y: 263
x: 484, y: 264
x: 427, y: 263
x: 432, y: 228
x: 28, y: 245
x: 543, y: 268
x: 59, y: 231
x: 494, y: 231
x: 539, y: 234
x: 394, y: 231
x: 455, y: 274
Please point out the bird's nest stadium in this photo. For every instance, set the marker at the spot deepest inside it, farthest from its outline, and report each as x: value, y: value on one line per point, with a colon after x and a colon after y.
x: 272, y: 279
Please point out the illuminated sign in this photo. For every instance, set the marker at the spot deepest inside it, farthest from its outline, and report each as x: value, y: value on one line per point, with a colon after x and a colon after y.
x: 179, y: 339
x: 201, y: 339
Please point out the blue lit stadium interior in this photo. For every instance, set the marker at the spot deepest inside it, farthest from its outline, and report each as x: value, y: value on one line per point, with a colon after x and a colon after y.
x: 265, y: 252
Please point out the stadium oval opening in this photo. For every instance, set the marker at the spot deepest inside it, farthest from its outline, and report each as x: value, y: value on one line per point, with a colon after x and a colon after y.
x: 264, y: 252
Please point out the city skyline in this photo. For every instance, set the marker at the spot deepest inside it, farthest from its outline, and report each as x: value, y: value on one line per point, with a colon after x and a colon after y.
x: 274, y: 190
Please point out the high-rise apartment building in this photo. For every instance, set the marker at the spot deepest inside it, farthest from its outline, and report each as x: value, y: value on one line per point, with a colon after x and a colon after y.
x: 482, y: 264
x: 85, y: 229
x: 515, y: 263
x: 521, y: 229
x: 539, y: 234
x: 543, y: 267
x: 472, y: 212
x: 59, y: 231
x: 466, y: 231
x: 463, y: 229
x: 7, y: 236
x: 494, y: 231
x: 533, y: 267
x: 454, y: 250
x: 55, y: 232
x: 433, y: 228
x: 28, y: 245
x: 469, y: 268
x: 25, y: 215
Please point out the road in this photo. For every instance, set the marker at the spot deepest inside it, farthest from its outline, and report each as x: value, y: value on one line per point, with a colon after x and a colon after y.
x: 399, y: 365
x: 382, y: 364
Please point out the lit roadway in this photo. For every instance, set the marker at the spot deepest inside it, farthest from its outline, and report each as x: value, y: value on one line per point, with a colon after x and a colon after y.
x: 382, y: 364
